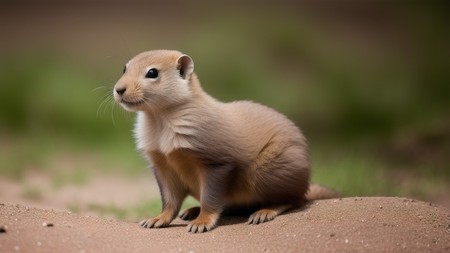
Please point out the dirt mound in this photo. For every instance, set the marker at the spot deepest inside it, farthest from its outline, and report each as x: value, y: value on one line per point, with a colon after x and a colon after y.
x: 349, y: 224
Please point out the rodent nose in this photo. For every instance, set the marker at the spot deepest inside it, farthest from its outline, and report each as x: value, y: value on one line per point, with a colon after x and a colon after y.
x: 120, y: 91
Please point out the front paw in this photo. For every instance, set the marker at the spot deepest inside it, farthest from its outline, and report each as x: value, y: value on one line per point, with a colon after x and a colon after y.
x: 204, y: 223
x: 200, y: 227
x: 157, y: 222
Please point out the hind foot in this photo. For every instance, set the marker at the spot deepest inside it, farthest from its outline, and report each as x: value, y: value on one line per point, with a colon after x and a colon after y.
x: 267, y: 214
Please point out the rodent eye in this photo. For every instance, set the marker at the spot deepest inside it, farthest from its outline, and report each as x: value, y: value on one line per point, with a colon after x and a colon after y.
x: 124, y: 69
x: 152, y: 73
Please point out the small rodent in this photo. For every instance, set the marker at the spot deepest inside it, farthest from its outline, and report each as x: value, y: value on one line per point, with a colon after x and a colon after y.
x: 238, y: 155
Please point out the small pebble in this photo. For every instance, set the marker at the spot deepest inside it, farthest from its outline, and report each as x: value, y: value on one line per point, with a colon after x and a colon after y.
x: 47, y: 224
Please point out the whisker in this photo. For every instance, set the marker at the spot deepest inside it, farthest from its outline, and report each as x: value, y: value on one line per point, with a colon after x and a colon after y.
x: 118, y: 112
x: 113, y: 112
x: 109, y: 101
x: 99, y: 88
x: 104, y: 101
x: 106, y: 85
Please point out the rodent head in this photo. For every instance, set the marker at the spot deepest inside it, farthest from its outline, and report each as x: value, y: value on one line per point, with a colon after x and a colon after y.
x: 155, y: 80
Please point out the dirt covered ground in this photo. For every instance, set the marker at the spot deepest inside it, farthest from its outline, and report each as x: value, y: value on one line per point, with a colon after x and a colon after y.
x: 369, y: 224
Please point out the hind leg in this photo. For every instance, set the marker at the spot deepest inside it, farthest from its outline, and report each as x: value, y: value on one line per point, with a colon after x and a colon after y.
x: 268, y: 213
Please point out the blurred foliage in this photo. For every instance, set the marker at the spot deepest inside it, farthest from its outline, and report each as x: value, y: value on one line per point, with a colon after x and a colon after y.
x: 145, y: 209
x: 370, y: 77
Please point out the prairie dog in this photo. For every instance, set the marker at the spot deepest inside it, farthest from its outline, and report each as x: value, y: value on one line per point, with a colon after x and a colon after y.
x: 226, y: 155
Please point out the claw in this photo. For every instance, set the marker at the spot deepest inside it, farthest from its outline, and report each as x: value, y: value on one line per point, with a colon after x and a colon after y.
x: 198, y: 228
x: 261, y: 216
x: 203, y: 223
x: 153, y: 223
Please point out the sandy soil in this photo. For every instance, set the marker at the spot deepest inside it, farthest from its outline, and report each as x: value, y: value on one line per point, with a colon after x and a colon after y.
x: 100, y: 190
x: 372, y: 224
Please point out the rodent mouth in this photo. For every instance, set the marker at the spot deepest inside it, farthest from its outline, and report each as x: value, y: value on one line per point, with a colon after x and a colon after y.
x: 132, y: 103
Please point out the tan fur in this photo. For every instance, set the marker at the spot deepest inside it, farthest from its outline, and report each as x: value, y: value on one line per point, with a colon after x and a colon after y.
x: 226, y: 155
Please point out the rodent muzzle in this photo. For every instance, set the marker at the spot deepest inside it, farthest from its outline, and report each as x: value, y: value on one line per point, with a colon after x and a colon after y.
x: 120, y: 91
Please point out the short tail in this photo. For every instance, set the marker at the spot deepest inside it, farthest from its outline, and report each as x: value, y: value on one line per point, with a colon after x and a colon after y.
x: 316, y: 192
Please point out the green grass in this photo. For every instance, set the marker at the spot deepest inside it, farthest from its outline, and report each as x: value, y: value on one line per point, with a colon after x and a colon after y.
x: 77, y: 177
x: 353, y: 176
x: 360, y: 173
x: 146, y: 209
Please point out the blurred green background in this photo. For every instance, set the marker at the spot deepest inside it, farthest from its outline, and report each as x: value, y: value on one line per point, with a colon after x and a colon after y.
x: 367, y: 81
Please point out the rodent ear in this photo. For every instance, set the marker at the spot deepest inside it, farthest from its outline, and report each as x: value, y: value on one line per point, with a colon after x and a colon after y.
x: 185, y: 66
